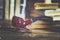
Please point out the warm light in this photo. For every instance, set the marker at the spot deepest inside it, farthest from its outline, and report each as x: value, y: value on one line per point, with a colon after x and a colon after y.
x: 47, y: 1
x: 56, y: 18
x: 52, y: 13
x: 46, y: 5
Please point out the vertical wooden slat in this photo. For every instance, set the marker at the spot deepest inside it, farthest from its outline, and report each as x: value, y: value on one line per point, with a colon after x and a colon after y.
x: 6, y: 9
x: 11, y: 9
x: 17, y: 9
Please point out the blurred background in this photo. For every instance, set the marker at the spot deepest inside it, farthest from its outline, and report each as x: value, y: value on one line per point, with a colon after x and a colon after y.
x: 45, y: 15
x: 21, y: 8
